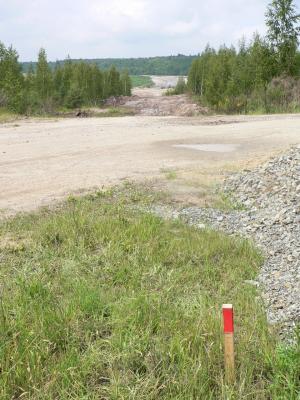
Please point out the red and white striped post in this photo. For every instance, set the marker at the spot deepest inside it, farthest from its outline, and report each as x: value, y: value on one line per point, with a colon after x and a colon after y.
x: 229, y: 343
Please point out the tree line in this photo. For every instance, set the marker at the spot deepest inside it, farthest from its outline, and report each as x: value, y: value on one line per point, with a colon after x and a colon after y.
x: 43, y: 89
x: 262, y: 75
x: 169, y: 65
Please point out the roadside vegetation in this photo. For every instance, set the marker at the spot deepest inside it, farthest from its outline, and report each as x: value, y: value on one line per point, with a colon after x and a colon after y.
x: 180, y: 88
x: 141, y: 81
x: 44, y: 90
x: 7, y: 116
x: 262, y: 76
x: 102, y: 300
x: 112, y: 112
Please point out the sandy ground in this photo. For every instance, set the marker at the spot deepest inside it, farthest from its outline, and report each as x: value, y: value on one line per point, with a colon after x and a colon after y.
x: 154, y: 102
x: 163, y: 82
x: 42, y: 161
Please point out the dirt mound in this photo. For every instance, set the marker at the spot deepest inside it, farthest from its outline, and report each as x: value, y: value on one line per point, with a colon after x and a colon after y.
x: 180, y: 105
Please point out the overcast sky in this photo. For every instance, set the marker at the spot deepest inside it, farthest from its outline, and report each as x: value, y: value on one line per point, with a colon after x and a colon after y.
x: 126, y: 28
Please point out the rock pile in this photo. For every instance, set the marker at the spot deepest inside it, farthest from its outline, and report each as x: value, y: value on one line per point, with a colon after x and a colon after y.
x: 270, y: 215
x: 271, y: 194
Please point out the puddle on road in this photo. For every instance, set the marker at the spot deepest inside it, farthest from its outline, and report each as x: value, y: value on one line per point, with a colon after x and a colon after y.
x: 217, y: 148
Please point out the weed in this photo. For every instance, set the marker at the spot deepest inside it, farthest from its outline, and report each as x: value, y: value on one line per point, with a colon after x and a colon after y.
x: 224, y: 201
x: 169, y: 174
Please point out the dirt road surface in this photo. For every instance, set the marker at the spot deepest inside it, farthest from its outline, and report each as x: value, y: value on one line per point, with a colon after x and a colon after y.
x: 42, y: 161
x: 154, y: 102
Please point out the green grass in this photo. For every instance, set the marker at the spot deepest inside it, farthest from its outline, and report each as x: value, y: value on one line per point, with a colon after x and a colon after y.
x: 225, y: 202
x: 169, y: 174
x: 7, y: 116
x: 141, y: 81
x: 100, y: 301
x: 115, y: 112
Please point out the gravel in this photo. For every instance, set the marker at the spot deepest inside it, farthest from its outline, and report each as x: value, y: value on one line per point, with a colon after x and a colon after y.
x: 269, y: 214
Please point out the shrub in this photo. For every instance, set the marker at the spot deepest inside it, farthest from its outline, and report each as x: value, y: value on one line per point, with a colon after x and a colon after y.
x: 180, y: 88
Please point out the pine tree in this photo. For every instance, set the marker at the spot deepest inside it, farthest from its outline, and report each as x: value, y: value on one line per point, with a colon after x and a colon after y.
x: 44, y: 84
x: 11, y: 81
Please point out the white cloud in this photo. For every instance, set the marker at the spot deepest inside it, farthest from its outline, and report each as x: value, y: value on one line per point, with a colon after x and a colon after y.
x: 125, y: 28
x: 182, y: 27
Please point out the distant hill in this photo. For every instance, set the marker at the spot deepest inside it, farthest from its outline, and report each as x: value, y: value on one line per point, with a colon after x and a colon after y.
x: 170, y: 65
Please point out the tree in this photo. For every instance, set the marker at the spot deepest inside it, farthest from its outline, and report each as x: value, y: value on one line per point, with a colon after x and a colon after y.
x: 67, y: 77
x: 113, y: 82
x: 283, y: 32
x: 40, y: 89
x: 58, y: 84
x: 43, y: 77
x: 11, y: 80
x: 126, y: 84
x: 199, y: 71
x: 262, y: 63
x: 96, y: 85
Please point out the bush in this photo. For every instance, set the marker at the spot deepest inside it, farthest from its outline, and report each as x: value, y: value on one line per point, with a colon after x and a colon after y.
x: 180, y: 88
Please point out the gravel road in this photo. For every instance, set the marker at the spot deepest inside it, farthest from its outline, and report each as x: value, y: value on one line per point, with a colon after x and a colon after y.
x: 42, y: 161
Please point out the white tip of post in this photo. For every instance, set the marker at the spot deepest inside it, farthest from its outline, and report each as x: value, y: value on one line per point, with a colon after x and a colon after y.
x: 227, y: 306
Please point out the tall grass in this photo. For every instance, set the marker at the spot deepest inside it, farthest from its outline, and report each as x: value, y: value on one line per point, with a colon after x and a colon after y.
x: 99, y: 301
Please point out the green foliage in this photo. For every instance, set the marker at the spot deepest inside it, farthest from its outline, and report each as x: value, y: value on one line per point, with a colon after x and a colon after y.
x: 113, y: 82
x: 6, y: 115
x: 126, y: 84
x: 180, y: 88
x: 171, y: 65
x: 101, y: 301
x: 283, y: 32
x: 43, y: 77
x: 241, y: 80
x: 11, y: 80
x: 141, y: 81
x: 74, y: 98
x: 286, y: 362
x: 44, y: 89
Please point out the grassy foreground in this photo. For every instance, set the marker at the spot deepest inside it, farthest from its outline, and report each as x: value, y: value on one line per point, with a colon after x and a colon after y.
x: 99, y: 301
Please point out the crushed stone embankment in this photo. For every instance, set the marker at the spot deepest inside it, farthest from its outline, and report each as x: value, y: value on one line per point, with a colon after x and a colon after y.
x: 270, y: 195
